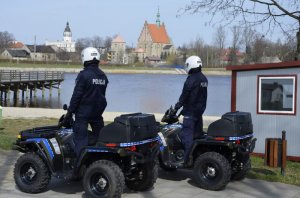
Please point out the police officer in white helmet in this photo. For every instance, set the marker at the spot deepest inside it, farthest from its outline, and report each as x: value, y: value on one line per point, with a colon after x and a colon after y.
x: 88, y: 101
x: 193, y: 100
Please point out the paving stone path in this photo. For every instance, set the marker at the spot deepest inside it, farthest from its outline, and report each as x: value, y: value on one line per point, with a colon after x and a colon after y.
x: 176, y: 184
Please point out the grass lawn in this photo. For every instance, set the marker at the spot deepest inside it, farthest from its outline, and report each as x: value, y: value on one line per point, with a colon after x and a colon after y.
x: 260, y: 171
x: 10, y: 128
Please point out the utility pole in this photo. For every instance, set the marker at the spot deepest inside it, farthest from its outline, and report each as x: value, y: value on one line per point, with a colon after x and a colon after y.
x: 34, y: 48
x: 207, y: 57
x: 298, y: 43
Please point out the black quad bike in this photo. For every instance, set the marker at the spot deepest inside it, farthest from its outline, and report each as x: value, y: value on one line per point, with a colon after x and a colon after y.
x: 125, y: 153
x: 218, y: 156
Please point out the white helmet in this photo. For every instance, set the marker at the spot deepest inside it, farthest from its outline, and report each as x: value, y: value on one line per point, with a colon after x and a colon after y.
x: 192, y: 62
x: 90, y: 54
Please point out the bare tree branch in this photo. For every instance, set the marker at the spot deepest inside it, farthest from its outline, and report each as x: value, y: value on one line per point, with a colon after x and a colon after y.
x: 251, y: 11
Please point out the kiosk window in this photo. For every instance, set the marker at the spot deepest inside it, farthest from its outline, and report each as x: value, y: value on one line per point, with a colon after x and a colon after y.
x: 277, y: 94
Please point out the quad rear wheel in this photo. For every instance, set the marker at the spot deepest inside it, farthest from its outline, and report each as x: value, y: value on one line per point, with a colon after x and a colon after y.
x: 212, y: 171
x: 143, y: 177
x: 241, y: 173
x: 165, y: 167
x: 31, y: 173
x: 103, y: 178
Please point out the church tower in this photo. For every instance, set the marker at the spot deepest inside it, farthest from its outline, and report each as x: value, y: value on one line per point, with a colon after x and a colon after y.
x: 158, y: 18
x: 67, y: 44
x: 154, y: 42
x: 67, y: 33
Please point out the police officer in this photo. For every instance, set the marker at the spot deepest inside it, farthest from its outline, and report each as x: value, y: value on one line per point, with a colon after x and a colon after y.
x: 88, y: 101
x: 193, y: 100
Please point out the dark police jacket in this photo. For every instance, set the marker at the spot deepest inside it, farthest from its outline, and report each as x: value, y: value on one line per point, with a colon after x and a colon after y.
x: 88, y: 100
x: 194, y: 95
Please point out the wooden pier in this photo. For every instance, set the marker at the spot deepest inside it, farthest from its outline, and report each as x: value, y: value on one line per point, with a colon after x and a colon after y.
x: 28, y: 83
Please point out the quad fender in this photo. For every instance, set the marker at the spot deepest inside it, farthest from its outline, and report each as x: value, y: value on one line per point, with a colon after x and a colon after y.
x: 113, y: 154
x: 249, y: 148
x: 48, y: 150
x: 33, y: 146
x: 97, y: 153
x: 223, y: 147
x: 202, y: 146
x: 214, y: 143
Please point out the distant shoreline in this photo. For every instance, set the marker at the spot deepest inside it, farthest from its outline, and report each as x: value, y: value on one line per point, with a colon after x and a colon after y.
x: 121, y: 71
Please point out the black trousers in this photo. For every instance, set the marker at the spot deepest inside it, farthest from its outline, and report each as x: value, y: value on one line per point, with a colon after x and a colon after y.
x: 82, y: 135
x: 192, y: 128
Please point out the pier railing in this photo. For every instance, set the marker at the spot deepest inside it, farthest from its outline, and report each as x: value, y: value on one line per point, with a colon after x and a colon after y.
x: 28, y: 82
x: 29, y: 76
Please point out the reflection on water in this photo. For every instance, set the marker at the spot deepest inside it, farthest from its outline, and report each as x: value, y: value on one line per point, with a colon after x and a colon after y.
x: 137, y: 93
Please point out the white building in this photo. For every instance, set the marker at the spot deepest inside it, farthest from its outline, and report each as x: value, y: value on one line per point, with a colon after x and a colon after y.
x: 67, y: 44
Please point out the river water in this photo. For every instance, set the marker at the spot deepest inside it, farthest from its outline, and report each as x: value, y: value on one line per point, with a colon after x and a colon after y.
x: 153, y: 93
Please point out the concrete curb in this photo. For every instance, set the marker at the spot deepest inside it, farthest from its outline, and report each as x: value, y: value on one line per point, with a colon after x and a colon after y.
x: 33, y: 113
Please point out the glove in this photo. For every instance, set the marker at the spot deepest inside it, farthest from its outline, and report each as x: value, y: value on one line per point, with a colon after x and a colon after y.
x: 173, y: 112
x: 66, y: 119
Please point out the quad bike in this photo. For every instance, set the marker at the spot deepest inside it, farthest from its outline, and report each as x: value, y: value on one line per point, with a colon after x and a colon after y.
x: 124, y: 153
x: 220, y: 155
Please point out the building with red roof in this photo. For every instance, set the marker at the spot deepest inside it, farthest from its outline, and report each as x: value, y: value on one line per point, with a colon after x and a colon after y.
x: 226, y: 56
x: 155, y: 41
x: 16, y: 45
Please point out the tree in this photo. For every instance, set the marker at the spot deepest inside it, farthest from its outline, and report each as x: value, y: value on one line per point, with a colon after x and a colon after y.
x: 63, y: 55
x: 287, y: 50
x: 97, y: 42
x: 136, y: 59
x: 281, y: 14
x: 107, y: 42
x: 248, y: 39
x: 82, y: 43
x: 206, y: 52
x: 259, y: 48
x: 172, y: 59
x: 198, y: 45
x: 220, y: 38
x: 236, y: 41
x: 5, y: 39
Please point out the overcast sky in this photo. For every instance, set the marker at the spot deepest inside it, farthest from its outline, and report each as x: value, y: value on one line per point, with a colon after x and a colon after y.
x: 47, y: 19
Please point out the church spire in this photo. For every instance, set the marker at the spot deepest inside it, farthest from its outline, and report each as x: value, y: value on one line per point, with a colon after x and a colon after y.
x: 157, y: 18
x: 67, y: 29
x: 67, y: 33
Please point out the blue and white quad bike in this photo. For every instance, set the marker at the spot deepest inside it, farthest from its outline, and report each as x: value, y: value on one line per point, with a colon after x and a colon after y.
x: 125, y: 153
x: 218, y: 156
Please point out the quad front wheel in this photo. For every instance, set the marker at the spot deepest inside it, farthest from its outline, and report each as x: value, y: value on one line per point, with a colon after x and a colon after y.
x: 31, y: 173
x: 212, y: 171
x: 103, y: 179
